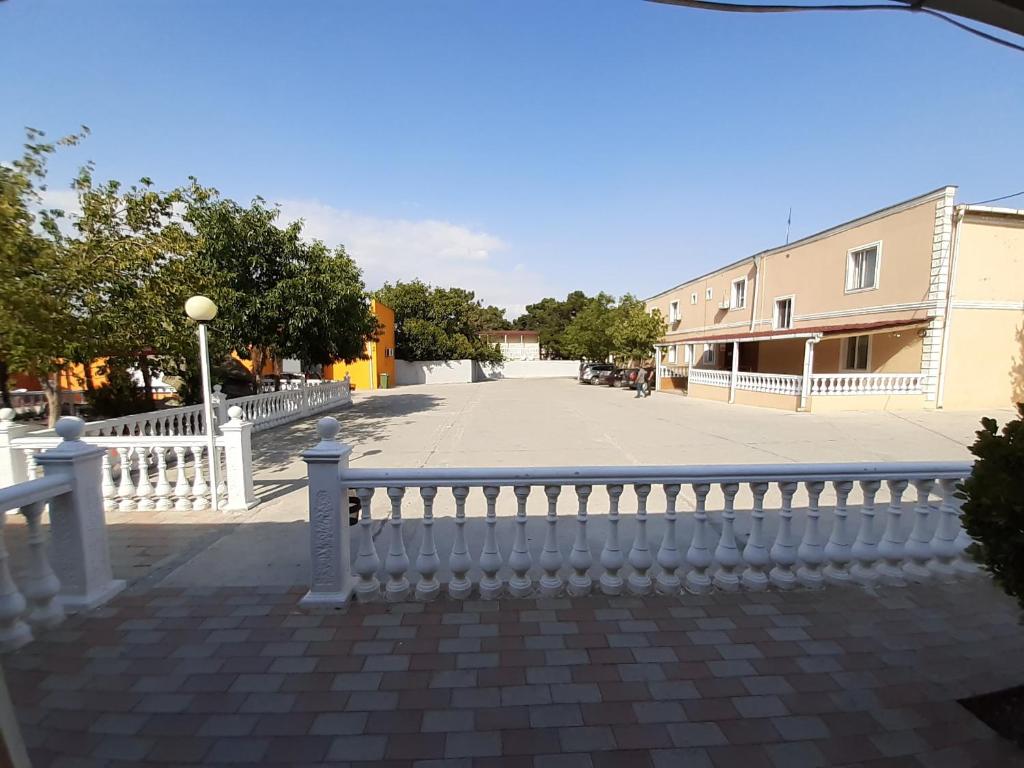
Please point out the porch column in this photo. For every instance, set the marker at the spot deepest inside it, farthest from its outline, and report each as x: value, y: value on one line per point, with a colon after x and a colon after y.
x: 805, y: 382
x: 735, y: 369
x: 658, y: 370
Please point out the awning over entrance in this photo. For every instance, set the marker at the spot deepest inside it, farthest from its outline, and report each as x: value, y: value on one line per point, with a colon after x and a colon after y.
x: 845, y: 329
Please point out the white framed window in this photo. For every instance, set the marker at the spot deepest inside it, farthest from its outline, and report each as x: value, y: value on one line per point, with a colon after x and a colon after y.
x: 862, y: 267
x: 709, y: 293
x: 782, y: 316
x: 709, y: 355
x: 857, y: 353
x: 673, y: 312
x: 672, y: 354
x: 738, y: 299
x: 688, y: 354
x: 693, y: 297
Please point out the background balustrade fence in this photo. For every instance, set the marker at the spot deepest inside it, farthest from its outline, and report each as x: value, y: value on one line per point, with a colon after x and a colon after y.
x: 624, y: 529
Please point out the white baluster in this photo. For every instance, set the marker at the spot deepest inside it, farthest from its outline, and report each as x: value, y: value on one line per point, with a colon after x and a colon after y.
x: 838, y: 549
x: 397, y: 561
x: 490, y: 555
x: 612, y: 558
x: 699, y: 554
x: 727, y: 554
x: 640, y: 555
x: 755, y: 553
x: 367, y: 562
x: 519, y: 560
x: 126, y: 488
x: 107, y: 487
x: 144, y: 488
x: 182, y: 490
x: 551, y: 556
x: 222, y: 477
x: 579, y: 558
x: 162, y: 490
x: 199, y: 485
x: 865, y: 548
x: 428, y: 563
x: 40, y: 584
x: 783, y: 552
x: 919, y: 545
x: 14, y: 632
x: 890, y: 548
x: 667, y: 581
x: 31, y: 468
x: 945, y: 549
x: 811, y: 551
x: 459, y: 561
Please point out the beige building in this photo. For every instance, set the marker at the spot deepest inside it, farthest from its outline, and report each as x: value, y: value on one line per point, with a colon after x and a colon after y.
x: 515, y: 345
x: 918, y: 305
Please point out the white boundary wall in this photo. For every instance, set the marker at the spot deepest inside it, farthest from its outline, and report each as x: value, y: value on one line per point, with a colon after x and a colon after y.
x: 530, y: 369
x: 433, y: 372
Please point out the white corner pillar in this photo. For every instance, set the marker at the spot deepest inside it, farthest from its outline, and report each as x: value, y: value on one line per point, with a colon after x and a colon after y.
x: 330, y: 579
x: 236, y: 438
x: 12, y: 460
x: 81, y: 551
x: 808, y: 371
x: 735, y: 370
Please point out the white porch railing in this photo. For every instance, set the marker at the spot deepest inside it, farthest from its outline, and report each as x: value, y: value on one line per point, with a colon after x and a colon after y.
x: 866, y: 383
x: 725, y: 548
x: 272, y: 409
x: 78, y: 576
x: 776, y: 383
x: 710, y: 377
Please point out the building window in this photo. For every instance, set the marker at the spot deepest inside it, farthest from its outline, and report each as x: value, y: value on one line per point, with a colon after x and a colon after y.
x: 688, y: 354
x: 672, y: 354
x: 858, y: 349
x: 693, y: 297
x: 673, y: 312
x: 783, y: 313
x: 862, y: 268
x: 739, y: 294
x: 709, y: 293
x: 709, y: 355
x: 389, y: 352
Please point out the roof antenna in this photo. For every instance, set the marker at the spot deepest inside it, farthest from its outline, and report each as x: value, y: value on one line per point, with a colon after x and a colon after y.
x: 789, y: 220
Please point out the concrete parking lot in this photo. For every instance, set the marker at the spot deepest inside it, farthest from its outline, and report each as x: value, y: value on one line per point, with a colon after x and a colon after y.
x: 553, y: 422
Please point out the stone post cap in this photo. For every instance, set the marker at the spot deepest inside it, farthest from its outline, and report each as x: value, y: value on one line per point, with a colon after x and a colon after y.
x: 328, y: 428
x: 69, y: 427
x: 7, y: 414
x: 234, y: 412
x: 217, y: 388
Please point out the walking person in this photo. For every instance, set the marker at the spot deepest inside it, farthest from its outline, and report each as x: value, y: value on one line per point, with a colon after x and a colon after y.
x: 648, y: 381
x: 639, y: 384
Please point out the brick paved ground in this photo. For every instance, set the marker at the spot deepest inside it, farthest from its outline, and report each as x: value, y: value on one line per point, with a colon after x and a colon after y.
x: 230, y: 676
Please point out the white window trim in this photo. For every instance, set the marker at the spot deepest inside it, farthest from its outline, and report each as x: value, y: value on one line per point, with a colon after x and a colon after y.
x: 687, y: 354
x: 693, y: 298
x: 709, y: 294
x: 775, y: 312
x: 732, y: 293
x: 709, y: 359
x: 845, y: 350
x: 877, y: 245
x: 674, y: 315
x: 672, y: 354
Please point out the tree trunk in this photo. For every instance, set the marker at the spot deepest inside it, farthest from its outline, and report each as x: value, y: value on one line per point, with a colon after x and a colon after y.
x: 147, y: 382
x: 258, y: 359
x: 5, y: 389
x: 90, y: 385
x: 51, y: 391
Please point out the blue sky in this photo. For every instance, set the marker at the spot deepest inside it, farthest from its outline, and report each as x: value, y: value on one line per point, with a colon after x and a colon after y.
x: 522, y: 148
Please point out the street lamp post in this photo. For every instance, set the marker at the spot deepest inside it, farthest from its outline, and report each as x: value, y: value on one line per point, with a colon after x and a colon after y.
x: 203, y: 310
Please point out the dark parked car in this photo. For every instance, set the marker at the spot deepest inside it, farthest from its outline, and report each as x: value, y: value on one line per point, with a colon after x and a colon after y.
x: 591, y: 371
x: 627, y: 377
x: 620, y: 377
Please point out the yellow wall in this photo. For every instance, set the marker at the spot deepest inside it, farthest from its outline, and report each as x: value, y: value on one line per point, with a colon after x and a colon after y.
x: 380, y: 355
x: 743, y: 397
x: 785, y: 356
x: 890, y: 353
x: 985, y: 367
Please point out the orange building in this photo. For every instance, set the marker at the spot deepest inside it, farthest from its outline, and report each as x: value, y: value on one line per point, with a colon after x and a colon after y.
x: 377, y: 369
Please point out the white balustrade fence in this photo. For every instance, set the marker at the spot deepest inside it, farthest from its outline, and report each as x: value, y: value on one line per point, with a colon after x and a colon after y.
x: 150, y: 471
x: 79, y: 576
x: 272, y: 409
x: 753, y: 527
x: 710, y: 377
x: 866, y: 384
x: 776, y: 383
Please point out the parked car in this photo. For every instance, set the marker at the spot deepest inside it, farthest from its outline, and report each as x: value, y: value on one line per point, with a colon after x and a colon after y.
x: 627, y: 377
x: 591, y: 371
x: 620, y: 377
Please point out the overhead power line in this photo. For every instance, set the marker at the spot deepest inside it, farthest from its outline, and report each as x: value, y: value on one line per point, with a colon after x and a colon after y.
x: 997, y: 199
x: 707, y: 5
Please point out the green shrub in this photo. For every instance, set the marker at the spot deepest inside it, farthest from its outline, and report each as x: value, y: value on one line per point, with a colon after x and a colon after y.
x: 118, y: 396
x: 993, y: 510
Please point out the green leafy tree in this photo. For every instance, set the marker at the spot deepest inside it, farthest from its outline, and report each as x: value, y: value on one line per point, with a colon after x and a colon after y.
x: 40, y: 311
x: 551, y: 317
x: 437, y: 323
x: 993, y: 509
x: 279, y: 296
x: 589, y: 335
x: 491, y: 318
x: 635, y: 331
